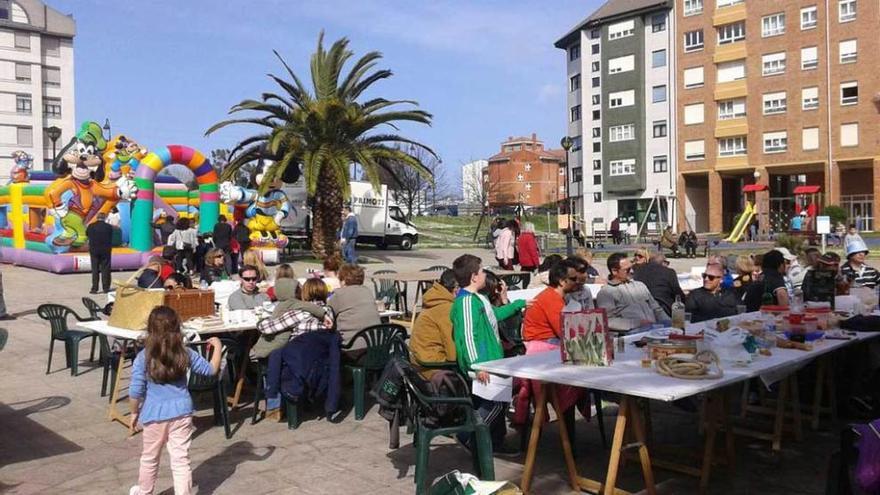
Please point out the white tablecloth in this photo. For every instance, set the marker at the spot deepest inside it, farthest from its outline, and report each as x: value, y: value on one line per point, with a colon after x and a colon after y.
x: 103, y: 327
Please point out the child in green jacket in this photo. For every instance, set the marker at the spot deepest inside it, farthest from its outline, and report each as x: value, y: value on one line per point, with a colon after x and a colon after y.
x: 475, y: 330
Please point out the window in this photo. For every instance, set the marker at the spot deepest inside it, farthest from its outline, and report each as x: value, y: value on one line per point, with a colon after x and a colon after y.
x: 597, y: 147
x: 658, y: 23
x: 25, y: 136
x: 849, y: 51
x: 594, y: 48
x: 847, y: 10
x: 519, y: 177
x: 597, y: 114
x: 727, y: 3
x: 732, y: 109
x: 22, y: 72
x: 597, y: 132
x: 595, y: 66
x: 849, y: 134
x: 52, y: 107
x: 809, y: 17
x: 528, y: 167
x: 661, y: 164
x: 658, y: 58
x: 577, y: 174
x: 732, y: 32
x: 733, y: 146
x: 659, y: 128
x: 622, y: 99
x: 773, y: 25
x: 574, y: 52
x: 731, y: 71
x: 849, y: 93
x: 621, y: 64
x: 693, y: 7
x: 774, y: 103
x: 775, y: 142
x: 626, y: 132
x: 621, y: 29
x: 693, y: 77
x: 51, y: 47
x: 576, y: 143
x: 693, y: 40
x: 22, y: 40
x: 575, y: 113
x: 51, y: 76
x: 594, y: 34
x: 597, y: 164
x: 694, y: 114
x: 694, y: 150
x: 597, y: 180
x: 810, y: 98
x: 597, y: 197
x: 596, y: 99
x: 622, y: 167
x: 595, y: 82
x: 810, y: 138
x: 658, y: 94
x: 809, y: 58
x: 23, y: 104
x: 574, y: 83
x: 773, y: 63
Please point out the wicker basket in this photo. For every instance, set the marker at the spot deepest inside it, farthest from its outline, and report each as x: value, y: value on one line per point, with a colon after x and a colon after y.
x: 191, y: 303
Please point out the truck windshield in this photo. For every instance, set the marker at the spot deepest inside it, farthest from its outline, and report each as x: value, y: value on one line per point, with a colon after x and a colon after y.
x: 397, y: 215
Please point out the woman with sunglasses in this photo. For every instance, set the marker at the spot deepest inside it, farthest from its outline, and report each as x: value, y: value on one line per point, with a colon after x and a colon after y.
x: 215, y: 268
x: 711, y: 300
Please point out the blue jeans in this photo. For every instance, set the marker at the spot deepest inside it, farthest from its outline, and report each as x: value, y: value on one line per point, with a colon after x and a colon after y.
x: 348, y: 253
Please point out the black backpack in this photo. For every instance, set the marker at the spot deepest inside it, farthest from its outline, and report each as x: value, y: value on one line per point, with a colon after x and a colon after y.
x: 389, y: 393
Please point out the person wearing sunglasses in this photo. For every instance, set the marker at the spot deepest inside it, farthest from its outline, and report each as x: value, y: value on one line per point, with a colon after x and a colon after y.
x: 215, y: 267
x: 711, y: 300
x: 627, y: 302
x: 249, y: 297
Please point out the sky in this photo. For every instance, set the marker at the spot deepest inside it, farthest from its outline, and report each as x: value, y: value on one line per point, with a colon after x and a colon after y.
x: 163, y: 71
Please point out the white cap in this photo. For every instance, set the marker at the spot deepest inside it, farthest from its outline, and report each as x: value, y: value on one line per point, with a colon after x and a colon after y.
x: 786, y: 253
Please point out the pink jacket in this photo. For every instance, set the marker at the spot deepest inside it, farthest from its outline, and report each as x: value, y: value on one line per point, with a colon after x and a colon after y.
x: 504, y: 245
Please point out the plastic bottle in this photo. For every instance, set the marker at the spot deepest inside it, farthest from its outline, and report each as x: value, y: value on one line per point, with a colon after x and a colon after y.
x: 678, y: 313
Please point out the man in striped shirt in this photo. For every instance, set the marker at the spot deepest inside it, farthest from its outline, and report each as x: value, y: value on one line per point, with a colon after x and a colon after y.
x: 855, y: 270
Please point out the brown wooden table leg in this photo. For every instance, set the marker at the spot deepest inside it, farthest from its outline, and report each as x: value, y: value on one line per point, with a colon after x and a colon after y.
x: 537, y: 424
x: 566, y: 442
x: 242, y: 372
x: 817, y: 393
x: 730, y: 439
x: 637, y: 418
x: 780, y: 414
x: 795, y: 402
x: 712, y: 405
x: 617, y: 445
x: 113, y: 413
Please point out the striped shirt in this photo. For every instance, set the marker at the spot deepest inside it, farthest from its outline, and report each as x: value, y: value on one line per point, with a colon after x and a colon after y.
x: 864, y: 276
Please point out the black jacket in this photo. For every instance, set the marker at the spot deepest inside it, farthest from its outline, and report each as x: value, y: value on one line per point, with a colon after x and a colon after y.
x: 704, y: 305
x: 100, y: 236
x: 222, y: 236
x: 662, y: 282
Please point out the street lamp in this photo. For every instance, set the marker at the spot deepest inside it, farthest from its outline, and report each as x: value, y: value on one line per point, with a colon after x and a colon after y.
x: 569, y: 248
x: 54, y: 133
x: 107, y: 128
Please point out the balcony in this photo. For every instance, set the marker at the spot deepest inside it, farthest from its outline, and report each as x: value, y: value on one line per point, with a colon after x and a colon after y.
x: 730, y: 90
x: 730, y: 52
x: 726, y: 15
x: 732, y: 162
x: 731, y: 127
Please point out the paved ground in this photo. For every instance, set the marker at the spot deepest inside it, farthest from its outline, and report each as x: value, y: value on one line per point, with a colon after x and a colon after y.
x: 54, y: 437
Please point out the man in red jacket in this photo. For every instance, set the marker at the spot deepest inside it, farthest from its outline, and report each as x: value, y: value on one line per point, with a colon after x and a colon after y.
x: 527, y: 247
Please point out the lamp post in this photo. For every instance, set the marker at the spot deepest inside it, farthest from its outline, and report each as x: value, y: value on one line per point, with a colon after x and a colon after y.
x: 54, y: 133
x: 569, y: 248
x: 107, y: 128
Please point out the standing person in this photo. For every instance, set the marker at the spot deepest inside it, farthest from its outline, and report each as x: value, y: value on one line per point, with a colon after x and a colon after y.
x: 184, y: 241
x: 527, y: 245
x: 504, y: 246
x: 796, y: 223
x: 115, y: 220
x: 203, y: 245
x: 349, y: 235
x: 242, y: 234
x: 223, y: 241
x: 100, y: 235
x: 628, y: 302
x: 4, y: 315
x: 165, y: 226
x: 661, y: 281
x: 161, y: 402
x: 615, y: 230
x: 855, y: 270
x: 711, y: 300
x: 852, y: 236
x: 475, y: 330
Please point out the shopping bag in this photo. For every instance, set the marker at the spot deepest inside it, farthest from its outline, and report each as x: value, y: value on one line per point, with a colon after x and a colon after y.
x: 586, y: 339
x: 133, y: 305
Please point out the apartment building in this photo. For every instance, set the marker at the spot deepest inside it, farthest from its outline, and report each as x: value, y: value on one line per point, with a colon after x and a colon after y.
x: 36, y: 80
x: 783, y: 94
x: 524, y: 173
x: 620, y: 73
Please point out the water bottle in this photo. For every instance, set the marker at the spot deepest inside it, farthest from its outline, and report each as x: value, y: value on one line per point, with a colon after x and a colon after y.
x: 678, y: 313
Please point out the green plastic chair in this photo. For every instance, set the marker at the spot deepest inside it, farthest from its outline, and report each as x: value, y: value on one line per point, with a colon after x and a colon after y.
x: 56, y: 315
x: 215, y: 384
x: 482, y: 451
x: 94, y: 309
x: 424, y: 286
x: 379, y: 342
x: 387, y: 288
x: 291, y: 408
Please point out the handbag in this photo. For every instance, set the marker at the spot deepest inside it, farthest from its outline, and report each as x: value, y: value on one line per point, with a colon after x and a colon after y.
x: 133, y: 305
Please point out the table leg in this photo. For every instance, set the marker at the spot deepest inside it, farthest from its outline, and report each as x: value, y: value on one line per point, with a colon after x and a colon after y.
x: 711, y: 405
x: 239, y: 382
x: 637, y: 417
x: 796, y: 407
x: 566, y: 443
x: 817, y: 393
x: 537, y: 423
x: 728, y: 432
x: 617, y: 445
x: 780, y: 415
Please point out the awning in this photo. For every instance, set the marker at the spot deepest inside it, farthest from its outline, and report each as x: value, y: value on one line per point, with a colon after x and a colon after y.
x: 754, y: 188
x: 807, y: 189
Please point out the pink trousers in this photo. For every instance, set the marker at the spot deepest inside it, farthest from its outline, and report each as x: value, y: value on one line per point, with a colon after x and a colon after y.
x: 175, y: 435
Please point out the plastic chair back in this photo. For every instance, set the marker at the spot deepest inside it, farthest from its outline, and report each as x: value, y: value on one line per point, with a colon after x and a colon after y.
x: 399, y: 349
x: 4, y: 336
x: 384, y: 288
x: 436, y: 268
x: 56, y: 315
x: 379, y: 341
x: 95, y: 310
x: 202, y: 383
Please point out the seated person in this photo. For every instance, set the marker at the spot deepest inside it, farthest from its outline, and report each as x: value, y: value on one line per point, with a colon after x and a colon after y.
x: 285, y: 291
x: 353, y: 303
x: 330, y: 274
x: 542, y: 323
x: 859, y: 273
x: 579, y: 295
x: 283, y: 271
x: 151, y: 276
x: 432, y: 340
x: 668, y: 240
x: 770, y: 288
x: 627, y: 302
x: 711, y: 300
x: 661, y: 281
x: 177, y: 281
x: 495, y: 290
x: 215, y: 268
x: 249, y: 297
x: 593, y: 276
x: 820, y: 281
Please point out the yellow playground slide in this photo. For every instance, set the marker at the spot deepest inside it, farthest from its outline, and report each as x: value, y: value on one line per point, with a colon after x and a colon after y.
x: 744, y: 221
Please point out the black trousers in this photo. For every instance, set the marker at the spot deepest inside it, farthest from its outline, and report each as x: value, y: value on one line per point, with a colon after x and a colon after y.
x: 100, y: 267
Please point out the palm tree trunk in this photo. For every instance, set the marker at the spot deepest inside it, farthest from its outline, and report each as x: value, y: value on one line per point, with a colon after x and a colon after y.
x: 326, y: 214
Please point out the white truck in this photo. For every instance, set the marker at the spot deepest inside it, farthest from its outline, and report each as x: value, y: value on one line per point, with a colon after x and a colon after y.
x: 380, y: 220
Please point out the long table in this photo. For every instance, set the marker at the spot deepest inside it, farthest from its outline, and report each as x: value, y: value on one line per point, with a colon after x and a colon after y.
x: 631, y: 381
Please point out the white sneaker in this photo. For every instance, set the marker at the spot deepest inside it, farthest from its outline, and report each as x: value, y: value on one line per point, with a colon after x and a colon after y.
x: 135, y: 490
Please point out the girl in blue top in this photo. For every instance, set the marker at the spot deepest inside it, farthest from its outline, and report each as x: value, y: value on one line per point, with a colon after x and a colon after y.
x: 161, y: 402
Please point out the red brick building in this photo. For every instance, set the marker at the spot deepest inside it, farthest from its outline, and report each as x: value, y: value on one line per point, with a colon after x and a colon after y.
x: 524, y: 172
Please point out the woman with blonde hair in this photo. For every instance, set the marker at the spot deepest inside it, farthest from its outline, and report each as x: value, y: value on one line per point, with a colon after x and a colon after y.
x: 745, y: 275
x: 284, y: 271
x: 252, y: 258
x: 215, y: 269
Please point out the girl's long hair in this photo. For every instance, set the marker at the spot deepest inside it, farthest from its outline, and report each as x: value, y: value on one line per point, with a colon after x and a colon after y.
x: 166, y: 357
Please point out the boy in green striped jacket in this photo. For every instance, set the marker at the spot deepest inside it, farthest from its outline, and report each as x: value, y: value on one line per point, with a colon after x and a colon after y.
x: 475, y: 330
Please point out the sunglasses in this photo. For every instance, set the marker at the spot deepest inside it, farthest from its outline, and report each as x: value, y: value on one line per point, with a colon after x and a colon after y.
x: 217, y: 257
x: 639, y: 256
x: 249, y: 279
x: 710, y: 277
x: 572, y: 279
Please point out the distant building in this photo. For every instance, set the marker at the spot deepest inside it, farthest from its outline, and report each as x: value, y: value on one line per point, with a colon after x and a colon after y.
x: 472, y: 181
x: 36, y: 80
x: 525, y: 173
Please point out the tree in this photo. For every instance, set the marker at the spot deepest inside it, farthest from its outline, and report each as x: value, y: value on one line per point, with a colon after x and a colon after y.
x: 325, y: 129
x: 409, y: 188
x: 476, y: 185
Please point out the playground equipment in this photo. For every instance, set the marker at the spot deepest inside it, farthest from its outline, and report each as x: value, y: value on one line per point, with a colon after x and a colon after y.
x: 806, y: 199
x: 263, y: 212
x: 748, y: 214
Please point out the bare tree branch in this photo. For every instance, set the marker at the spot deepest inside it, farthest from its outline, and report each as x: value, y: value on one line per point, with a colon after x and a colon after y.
x: 409, y: 188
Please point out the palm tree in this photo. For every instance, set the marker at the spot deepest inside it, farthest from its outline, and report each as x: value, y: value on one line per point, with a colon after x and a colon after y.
x: 324, y: 130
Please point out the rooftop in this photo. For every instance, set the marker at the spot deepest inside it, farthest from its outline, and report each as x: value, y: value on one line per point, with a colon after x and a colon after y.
x: 610, y: 10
